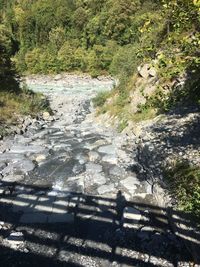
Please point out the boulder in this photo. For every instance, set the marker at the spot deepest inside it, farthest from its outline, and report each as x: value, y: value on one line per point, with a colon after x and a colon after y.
x: 58, y: 77
x: 40, y: 158
x: 144, y: 71
x: 46, y: 115
x: 93, y: 156
x: 105, y: 189
x: 147, y: 71
x: 152, y: 72
x: 15, y: 239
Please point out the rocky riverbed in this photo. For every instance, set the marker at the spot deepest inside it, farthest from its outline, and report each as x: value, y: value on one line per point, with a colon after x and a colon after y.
x: 69, y: 193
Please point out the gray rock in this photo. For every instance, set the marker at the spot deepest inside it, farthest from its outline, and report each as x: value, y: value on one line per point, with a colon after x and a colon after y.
x: 11, y: 156
x: 117, y: 171
x: 18, y: 166
x: 2, y: 166
x: 98, y: 179
x: 110, y: 159
x: 105, y: 189
x: 153, y: 72
x: 78, y: 169
x: 12, y: 178
x: 81, y: 158
x: 109, y: 149
x: 15, y: 239
x: 93, y: 156
x: 130, y: 183
x: 144, y: 71
x: 40, y: 158
x: 93, y: 168
x: 24, y: 149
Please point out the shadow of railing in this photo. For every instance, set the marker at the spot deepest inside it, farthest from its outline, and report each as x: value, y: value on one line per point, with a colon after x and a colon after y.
x: 81, y: 229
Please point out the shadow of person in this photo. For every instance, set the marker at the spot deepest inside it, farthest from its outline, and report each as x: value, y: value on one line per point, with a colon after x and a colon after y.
x: 120, y: 205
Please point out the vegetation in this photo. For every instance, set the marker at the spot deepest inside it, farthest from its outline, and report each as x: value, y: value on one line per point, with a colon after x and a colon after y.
x: 101, y: 98
x: 13, y: 105
x: 14, y: 101
x: 185, y: 186
x: 166, y: 36
x: 107, y: 36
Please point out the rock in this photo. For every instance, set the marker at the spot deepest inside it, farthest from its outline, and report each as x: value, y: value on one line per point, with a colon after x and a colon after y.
x: 40, y: 158
x: 81, y: 158
x: 2, y: 166
x: 46, y: 116
x: 58, y: 77
x: 18, y: 166
x: 15, y: 239
x: 145, y: 233
x: 153, y: 72
x: 27, y: 122
x: 112, y: 159
x: 144, y: 71
x: 99, y: 143
x: 78, y: 168
x: 130, y: 183
x: 93, y: 168
x: 93, y: 156
x: 109, y: 149
x: 98, y: 179
x: 12, y: 178
x: 19, y: 148
x: 117, y: 171
x: 105, y: 189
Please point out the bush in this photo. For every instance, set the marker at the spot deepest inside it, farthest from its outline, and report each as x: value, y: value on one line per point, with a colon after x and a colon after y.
x: 101, y: 98
x: 184, y: 181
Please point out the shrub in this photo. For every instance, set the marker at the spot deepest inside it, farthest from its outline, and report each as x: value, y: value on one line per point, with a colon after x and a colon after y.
x: 184, y: 181
x: 101, y: 98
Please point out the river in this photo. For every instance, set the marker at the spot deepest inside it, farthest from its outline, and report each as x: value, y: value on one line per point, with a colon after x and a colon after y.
x: 69, y: 188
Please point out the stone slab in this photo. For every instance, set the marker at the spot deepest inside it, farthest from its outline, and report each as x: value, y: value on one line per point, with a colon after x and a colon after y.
x: 109, y: 149
x: 130, y: 183
x: 105, y: 189
x: 94, y: 168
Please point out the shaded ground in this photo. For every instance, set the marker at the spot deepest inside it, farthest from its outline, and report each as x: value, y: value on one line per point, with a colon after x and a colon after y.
x: 101, y: 232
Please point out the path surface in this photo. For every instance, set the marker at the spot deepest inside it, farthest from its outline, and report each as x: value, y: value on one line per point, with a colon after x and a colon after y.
x: 69, y: 195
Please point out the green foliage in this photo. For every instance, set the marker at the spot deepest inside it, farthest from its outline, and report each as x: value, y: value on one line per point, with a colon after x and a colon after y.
x: 7, y: 72
x: 184, y: 181
x: 108, y: 36
x: 122, y: 125
x: 96, y: 28
x: 25, y: 102
x: 101, y: 98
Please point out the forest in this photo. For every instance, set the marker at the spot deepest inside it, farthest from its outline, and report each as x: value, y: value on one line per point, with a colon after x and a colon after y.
x: 100, y: 37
